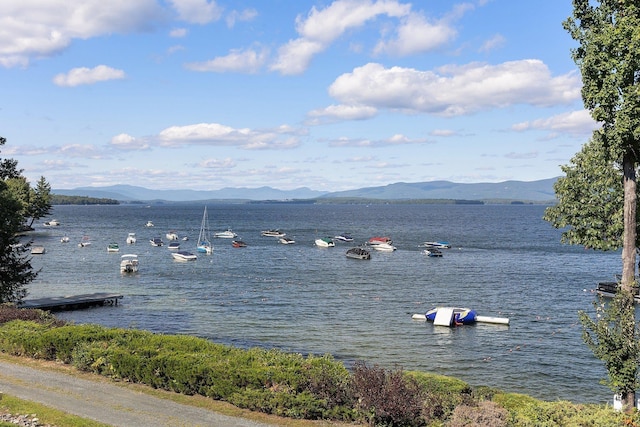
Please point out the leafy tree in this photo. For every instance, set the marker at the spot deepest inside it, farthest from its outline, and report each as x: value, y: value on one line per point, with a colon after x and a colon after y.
x: 608, y: 56
x: 15, y: 266
x: 40, y: 201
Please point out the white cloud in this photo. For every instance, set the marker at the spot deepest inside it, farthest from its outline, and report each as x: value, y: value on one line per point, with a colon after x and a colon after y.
x: 334, y: 113
x: 217, y: 163
x: 128, y: 142
x: 214, y: 134
x: 178, y: 32
x: 247, y: 61
x: 573, y: 122
x: 416, y: 35
x: 87, y: 76
x: 456, y: 90
x: 495, y: 42
x: 34, y: 29
x: 242, y: 16
x: 394, y: 140
x: 197, y: 11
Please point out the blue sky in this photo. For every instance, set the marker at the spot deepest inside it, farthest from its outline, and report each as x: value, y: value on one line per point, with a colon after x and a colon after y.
x: 330, y: 95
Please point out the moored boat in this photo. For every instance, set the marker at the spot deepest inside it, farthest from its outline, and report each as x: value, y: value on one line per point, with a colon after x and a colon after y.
x: 455, y: 316
x: 84, y: 242
x: 379, y: 240
x: 37, y: 250
x: 273, y: 233
x: 204, y: 240
x: 113, y: 247
x: 344, y: 237
x: 238, y: 244
x: 172, y: 235
x: 129, y: 263
x: 437, y: 245
x: 184, y: 256
x: 384, y: 247
x: 156, y: 241
x: 64, y: 239
x: 228, y: 234
x: 174, y: 246
x: 325, y: 242
x: 52, y: 223
x: 433, y: 252
x: 131, y: 238
x: 358, y: 253
x: 286, y: 240
x: 149, y: 224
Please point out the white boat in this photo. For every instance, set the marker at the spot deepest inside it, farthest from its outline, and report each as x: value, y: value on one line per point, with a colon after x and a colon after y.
x: 456, y: 316
x: 156, y: 241
x: 325, y: 242
x: 131, y: 238
x: 286, y: 241
x: 433, y: 252
x: 273, y: 233
x: 385, y: 247
x: 358, y: 253
x: 65, y: 239
x: 113, y: 247
x: 174, y: 246
x: 229, y: 234
x: 437, y: 245
x: 344, y: 237
x: 149, y: 224
x: 52, y: 223
x: 129, y: 263
x: 37, y: 250
x: 172, y: 235
x: 379, y: 240
x: 84, y: 242
x: 183, y: 256
x: 204, y: 241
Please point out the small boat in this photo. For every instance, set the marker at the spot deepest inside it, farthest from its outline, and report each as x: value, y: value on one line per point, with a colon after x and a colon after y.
x: 358, y: 253
x: 156, y: 241
x: 344, y: 237
x: 204, y: 241
x: 131, y: 238
x: 172, y: 235
x: 52, y: 223
x: 113, y: 247
x: 149, y: 224
x: 229, y: 234
x: 185, y: 238
x: 129, y: 263
x: 380, y: 240
x: 610, y: 289
x: 455, y: 316
x: 184, y: 256
x: 286, y: 240
x: 437, y: 245
x: 84, y: 242
x: 64, y: 239
x: 384, y: 247
x: 238, y: 244
x: 174, y: 246
x: 325, y: 242
x: 37, y: 250
x: 273, y: 233
x: 433, y: 252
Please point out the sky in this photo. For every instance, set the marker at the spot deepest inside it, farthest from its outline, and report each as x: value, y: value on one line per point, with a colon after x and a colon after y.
x: 329, y: 95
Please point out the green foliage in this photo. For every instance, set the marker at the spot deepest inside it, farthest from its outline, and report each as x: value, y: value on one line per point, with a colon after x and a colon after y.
x: 58, y: 199
x: 612, y: 336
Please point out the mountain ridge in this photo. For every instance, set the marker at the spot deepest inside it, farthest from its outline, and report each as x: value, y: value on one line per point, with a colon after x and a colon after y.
x: 534, y: 191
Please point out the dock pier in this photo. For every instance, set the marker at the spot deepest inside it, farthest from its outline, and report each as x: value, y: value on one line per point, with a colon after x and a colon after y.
x: 72, y: 302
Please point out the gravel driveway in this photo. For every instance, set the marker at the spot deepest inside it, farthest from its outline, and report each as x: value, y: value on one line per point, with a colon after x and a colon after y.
x: 106, y: 402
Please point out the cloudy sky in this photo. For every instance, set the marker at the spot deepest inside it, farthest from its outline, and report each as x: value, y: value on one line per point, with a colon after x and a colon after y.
x: 331, y: 95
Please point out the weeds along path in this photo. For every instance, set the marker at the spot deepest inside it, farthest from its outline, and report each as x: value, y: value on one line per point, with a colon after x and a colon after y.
x: 104, y: 401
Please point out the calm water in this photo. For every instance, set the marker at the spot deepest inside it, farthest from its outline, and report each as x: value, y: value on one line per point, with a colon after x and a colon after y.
x: 505, y: 261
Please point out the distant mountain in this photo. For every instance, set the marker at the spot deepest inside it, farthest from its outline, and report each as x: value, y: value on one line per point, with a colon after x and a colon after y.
x: 534, y: 191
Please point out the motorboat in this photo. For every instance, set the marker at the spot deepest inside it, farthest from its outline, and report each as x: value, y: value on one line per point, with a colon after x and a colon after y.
x: 131, y: 238
x: 156, y: 241
x: 172, y: 235
x: 344, y: 237
x: 174, y: 246
x: 384, y: 247
x: 52, y: 223
x: 378, y: 240
x: 149, y: 224
x: 437, y: 245
x: 84, y: 242
x: 456, y: 316
x: 228, y: 234
x: 37, y: 250
x: 64, y: 239
x: 113, y: 247
x: 286, y: 240
x: 129, y: 263
x: 183, y: 256
x: 358, y: 253
x: 273, y: 233
x: 325, y: 242
x: 238, y: 244
x: 204, y: 240
x: 433, y: 252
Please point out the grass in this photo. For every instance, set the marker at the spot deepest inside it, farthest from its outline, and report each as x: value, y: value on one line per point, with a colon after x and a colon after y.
x: 45, y: 414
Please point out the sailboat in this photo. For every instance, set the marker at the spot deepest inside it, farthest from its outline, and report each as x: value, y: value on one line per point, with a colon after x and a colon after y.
x: 204, y: 241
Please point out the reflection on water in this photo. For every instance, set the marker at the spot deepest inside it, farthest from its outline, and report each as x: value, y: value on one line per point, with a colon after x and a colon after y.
x: 505, y: 261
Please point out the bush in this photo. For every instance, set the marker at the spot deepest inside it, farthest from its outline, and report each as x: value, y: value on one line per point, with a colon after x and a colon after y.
x: 484, y: 414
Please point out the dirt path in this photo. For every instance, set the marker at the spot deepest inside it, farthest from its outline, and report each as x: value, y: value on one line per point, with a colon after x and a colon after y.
x: 104, y: 401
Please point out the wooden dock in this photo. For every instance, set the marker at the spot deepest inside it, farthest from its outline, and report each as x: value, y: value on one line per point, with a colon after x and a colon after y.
x: 72, y: 302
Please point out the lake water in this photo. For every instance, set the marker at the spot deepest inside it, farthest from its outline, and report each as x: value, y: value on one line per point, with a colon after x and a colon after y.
x: 505, y: 261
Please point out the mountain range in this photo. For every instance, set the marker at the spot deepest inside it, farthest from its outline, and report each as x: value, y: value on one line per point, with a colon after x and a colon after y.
x: 529, y: 191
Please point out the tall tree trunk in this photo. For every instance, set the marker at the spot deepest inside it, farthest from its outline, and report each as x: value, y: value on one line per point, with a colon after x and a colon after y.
x: 629, y: 251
